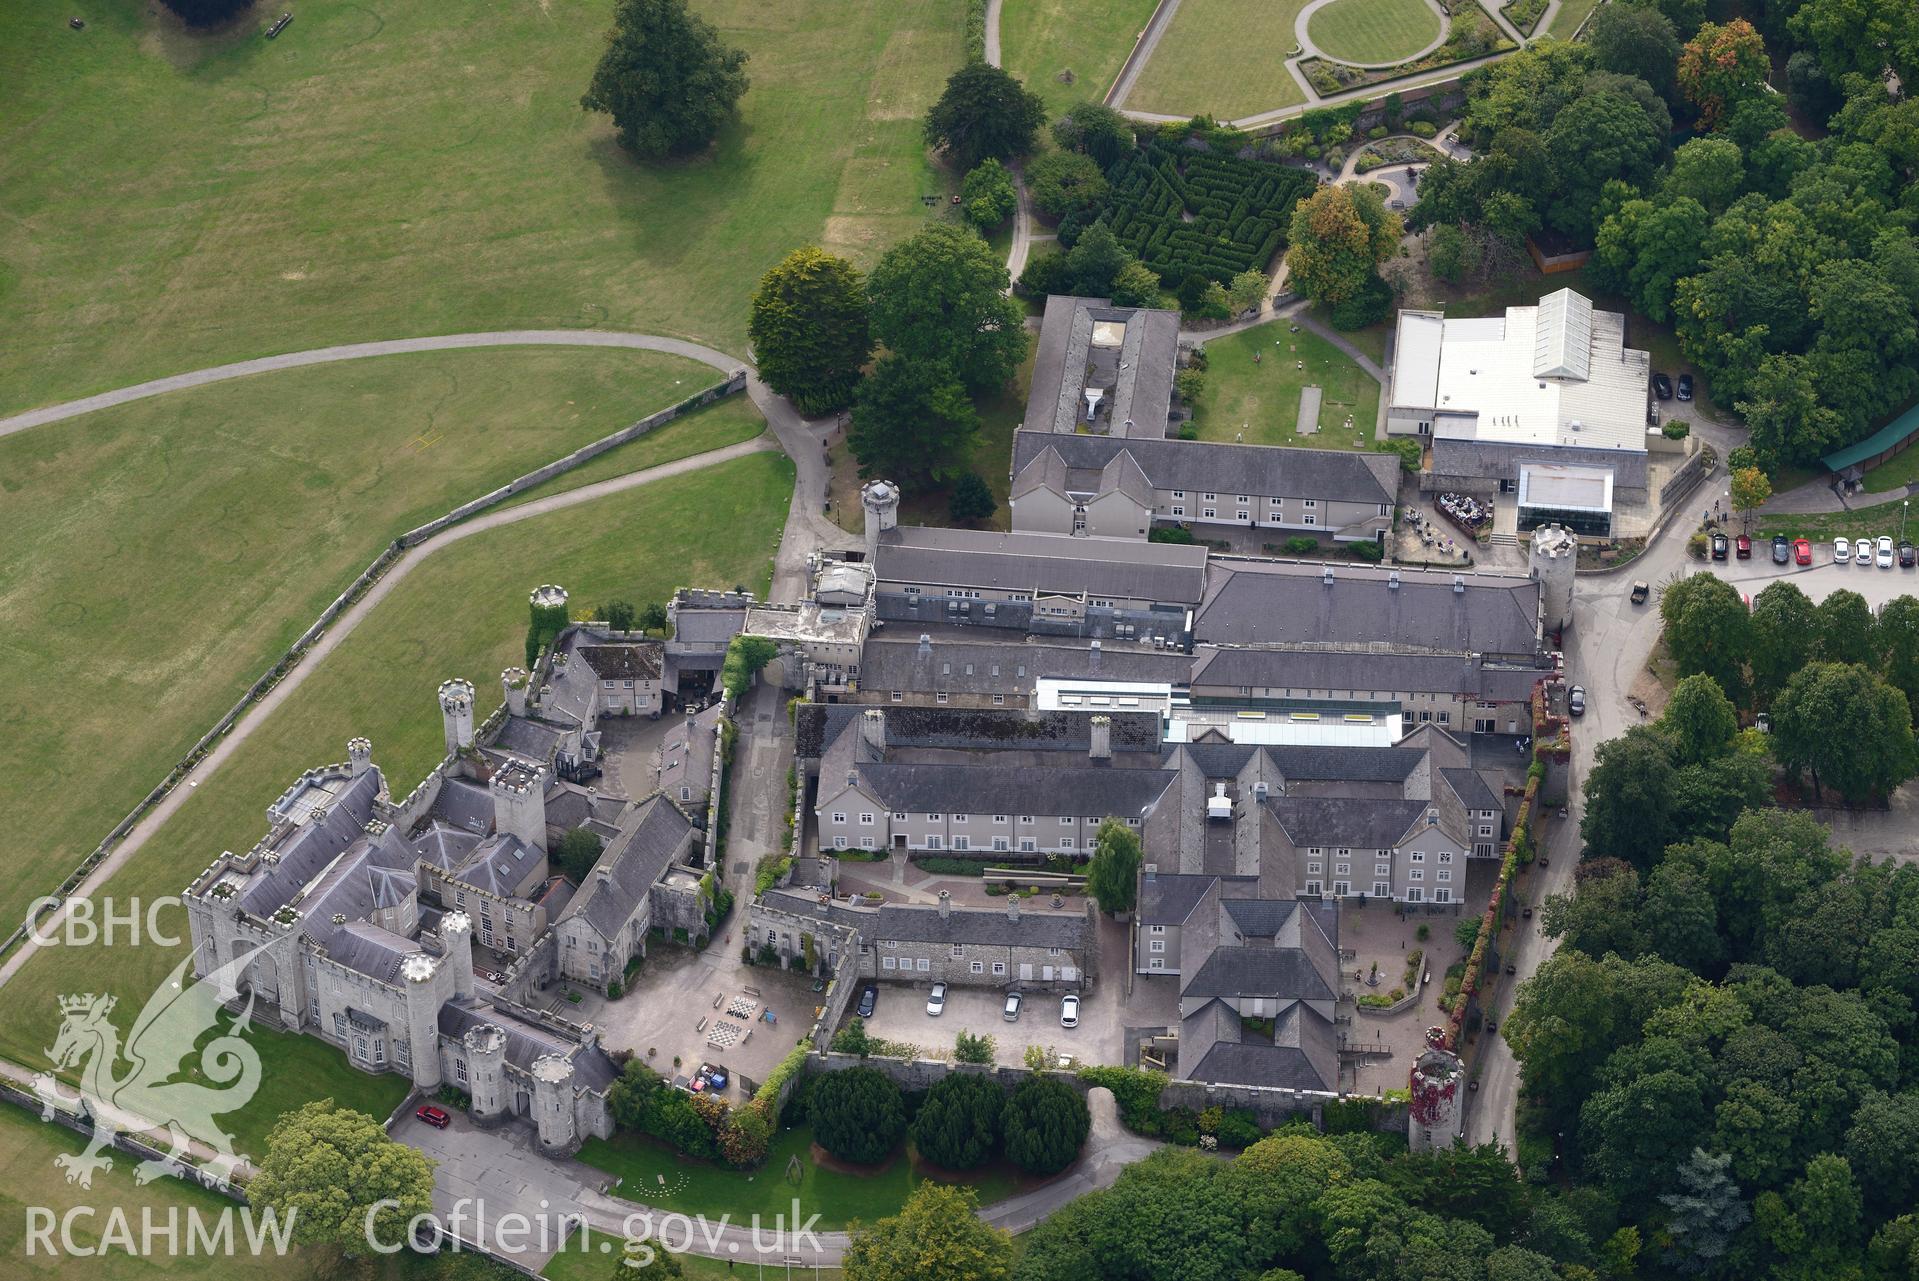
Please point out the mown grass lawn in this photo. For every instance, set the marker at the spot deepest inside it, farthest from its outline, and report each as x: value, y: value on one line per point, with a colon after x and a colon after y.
x: 1042, y: 39
x: 1571, y: 14
x: 1222, y: 57
x: 461, y: 613
x: 385, y: 169
x: 1371, y: 31
x: 1258, y: 404
x: 161, y: 554
x: 585, y: 1260
x: 27, y: 1150
x: 654, y: 1175
x: 1823, y: 527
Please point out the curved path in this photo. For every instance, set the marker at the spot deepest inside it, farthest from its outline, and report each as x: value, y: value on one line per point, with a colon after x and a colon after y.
x: 330, y: 639
x: 1312, y: 50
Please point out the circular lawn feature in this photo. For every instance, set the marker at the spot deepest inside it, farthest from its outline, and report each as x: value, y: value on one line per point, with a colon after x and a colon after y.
x: 1374, y: 32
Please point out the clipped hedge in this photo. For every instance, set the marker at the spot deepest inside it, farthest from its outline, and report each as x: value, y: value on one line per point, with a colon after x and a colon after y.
x: 976, y: 30
x: 1185, y: 212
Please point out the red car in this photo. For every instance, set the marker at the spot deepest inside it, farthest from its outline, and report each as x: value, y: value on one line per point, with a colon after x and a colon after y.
x: 1742, y: 547
x: 435, y: 1117
x: 1801, y: 552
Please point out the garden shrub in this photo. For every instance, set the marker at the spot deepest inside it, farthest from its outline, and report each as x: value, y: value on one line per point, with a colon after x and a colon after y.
x: 1135, y: 1090
x: 1045, y: 1124
x: 1187, y: 431
x: 958, y: 1126
x: 1301, y: 545
x: 1177, y: 534
x: 1238, y: 1129
x: 1423, y: 129
x: 858, y: 1115
x: 1065, y: 182
x: 1240, y: 210
x: 969, y: 1048
x: 1371, y: 305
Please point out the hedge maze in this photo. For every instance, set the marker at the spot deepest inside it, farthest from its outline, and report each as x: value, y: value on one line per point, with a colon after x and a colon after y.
x: 1183, y: 212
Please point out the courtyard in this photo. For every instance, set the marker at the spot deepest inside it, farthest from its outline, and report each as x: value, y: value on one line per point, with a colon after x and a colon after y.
x: 1258, y: 379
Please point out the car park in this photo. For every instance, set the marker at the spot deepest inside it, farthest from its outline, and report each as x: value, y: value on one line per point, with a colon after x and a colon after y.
x: 1662, y: 386
x: 1862, y: 551
x: 1841, y: 551
x: 1801, y: 551
x: 1742, y: 547
x: 936, y: 1000
x: 1719, y: 546
x: 435, y: 1117
x: 1011, y: 1012
x: 1641, y: 590
x: 1781, y: 549
x: 1884, y: 554
x: 869, y: 1001
x: 1576, y: 700
x: 1069, y: 1010
x: 1685, y: 386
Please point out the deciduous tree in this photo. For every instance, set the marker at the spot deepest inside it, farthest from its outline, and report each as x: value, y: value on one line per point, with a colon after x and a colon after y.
x: 912, y: 421
x: 984, y: 112
x: 1096, y: 129
x: 1064, y: 183
x: 1845, y: 628
x: 577, y: 852
x: 1851, y: 729
x: 1340, y: 235
x: 936, y: 1236
x: 1112, y: 878
x: 337, y: 1177
x: 666, y: 78
x: 809, y: 329
x: 940, y: 297
x: 1721, y: 66
x: 987, y: 194
x: 1708, y: 629
x: 1628, y: 812
x: 1634, y: 40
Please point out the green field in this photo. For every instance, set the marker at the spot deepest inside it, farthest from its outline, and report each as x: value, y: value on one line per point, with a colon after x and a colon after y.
x: 1823, y: 527
x: 462, y: 612
x: 1259, y: 403
x: 1042, y: 39
x: 162, y: 554
x: 657, y: 1176
x: 386, y: 169
x: 586, y: 1261
x: 1373, y: 31
x: 1222, y: 57
x: 1571, y: 14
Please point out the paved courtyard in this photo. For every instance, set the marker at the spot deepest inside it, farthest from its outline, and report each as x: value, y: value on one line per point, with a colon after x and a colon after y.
x: 630, y: 754
x: 679, y: 988
x: 901, y: 1016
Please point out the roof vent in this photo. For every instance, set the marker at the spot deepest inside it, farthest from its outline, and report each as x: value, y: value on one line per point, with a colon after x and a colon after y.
x: 1574, y: 424
x: 1392, y: 581
x: 1259, y: 790
x: 1326, y: 575
x: 1219, y: 805
x: 1459, y: 584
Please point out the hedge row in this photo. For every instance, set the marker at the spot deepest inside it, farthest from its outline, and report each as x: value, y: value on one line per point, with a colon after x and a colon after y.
x: 1183, y: 213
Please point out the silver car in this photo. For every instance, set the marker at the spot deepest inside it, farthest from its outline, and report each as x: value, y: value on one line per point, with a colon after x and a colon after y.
x: 1069, y: 1010
x: 936, y: 1000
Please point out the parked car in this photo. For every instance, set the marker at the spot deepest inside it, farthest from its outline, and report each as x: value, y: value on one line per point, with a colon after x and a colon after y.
x: 869, y: 998
x: 1576, y: 701
x: 1069, y: 1010
x: 435, y: 1117
x: 1841, y: 551
x: 1742, y: 546
x: 1662, y: 386
x: 1762, y: 723
x: 1719, y: 545
x: 1781, y: 549
x: 1641, y: 590
x: 1801, y: 552
x: 1862, y: 551
x: 1884, y: 556
x: 1011, y: 1012
x: 1685, y: 386
x: 936, y: 1000
x: 1905, y: 556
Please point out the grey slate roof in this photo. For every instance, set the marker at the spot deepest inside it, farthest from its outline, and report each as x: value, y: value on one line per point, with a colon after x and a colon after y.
x: 1287, y: 603
x: 1121, y: 568
x: 1472, y: 789
x: 1083, y: 791
x: 1141, y: 390
x: 631, y: 865
x: 1344, y: 822
x: 1304, y: 1056
x: 1009, y: 667
x: 964, y: 728
x: 532, y: 739
x: 625, y: 662
x: 1263, y: 969
x: 527, y: 1042
x: 1261, y: 471
x: 1169, y: 897
x: 915, y: 923
x: 499, y: 864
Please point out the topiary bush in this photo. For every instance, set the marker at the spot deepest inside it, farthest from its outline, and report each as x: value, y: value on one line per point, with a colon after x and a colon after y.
x: 1045, y: 1124
x: 858, y: 1115
x: 958, y: 1126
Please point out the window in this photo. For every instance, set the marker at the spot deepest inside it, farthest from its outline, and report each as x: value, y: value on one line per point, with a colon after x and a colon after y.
x: 959, y: 818
x: 1442, y: 895
x: 866, y: 842
x: 1313, y: 850
x: 1311, y: 503
x: 1156, y: 945
x: 1314, y: 869
x: 935, y: 842
x: 866, y: 820
x: 1445, y: 856
x: 1382, y: 890
x: 999, y: 843
x: 932, y: 818
x: 940, y: 697
x: 1027, y: 845
x: 899, y: 818
x: 1066, y: 842
x: 1066, y: 822
x: 999, y: 700
x: 1309, y: 519
x: 1444, y: 874
x: 897, y: 696
x: 1157, y: 929
x: 1342, y: 888
x: 999, y: 818
x: 999, y: 967
x: 959, y: 950
x: 1483, y: 850
x: 1312, y: 888
x: 892, y: 943
x: 978, y: 967
x: 1179, y: 493
x: 1485, y: 829
x: 886, y: 962
x: 839, y: 816
x: 1444, y: 718
x: 1417, y: 857
x: 1208, y: 514
x: 1415, y: 895
x: 961, y: 843
x: 1178, y: 510
x: 1382, y: 869
x: 1158, y: 964
x: 1343, y: 869
x: 1209, y: 497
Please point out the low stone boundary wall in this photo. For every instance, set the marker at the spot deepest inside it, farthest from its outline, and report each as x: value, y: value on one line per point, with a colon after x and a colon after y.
x: 734, y: 382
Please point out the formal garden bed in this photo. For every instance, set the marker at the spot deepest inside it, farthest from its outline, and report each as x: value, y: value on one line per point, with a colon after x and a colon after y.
x: 1473, y: 34
x: 1183, y: 211
x: 1525, y: 14
x: 1400, y: 150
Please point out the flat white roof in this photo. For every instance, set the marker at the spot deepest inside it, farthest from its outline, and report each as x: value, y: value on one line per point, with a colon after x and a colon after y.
x: 1555, y: 374
x: 1333, y: 727
x: 1555, y: 485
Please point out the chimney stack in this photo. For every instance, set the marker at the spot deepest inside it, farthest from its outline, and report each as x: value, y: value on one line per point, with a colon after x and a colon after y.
x: 1092, y: 657
x: 1100, y: 739
x: 926, y: 645
x: 1012, y: 906
x: 946, y: 905
x: 1459, y: 584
